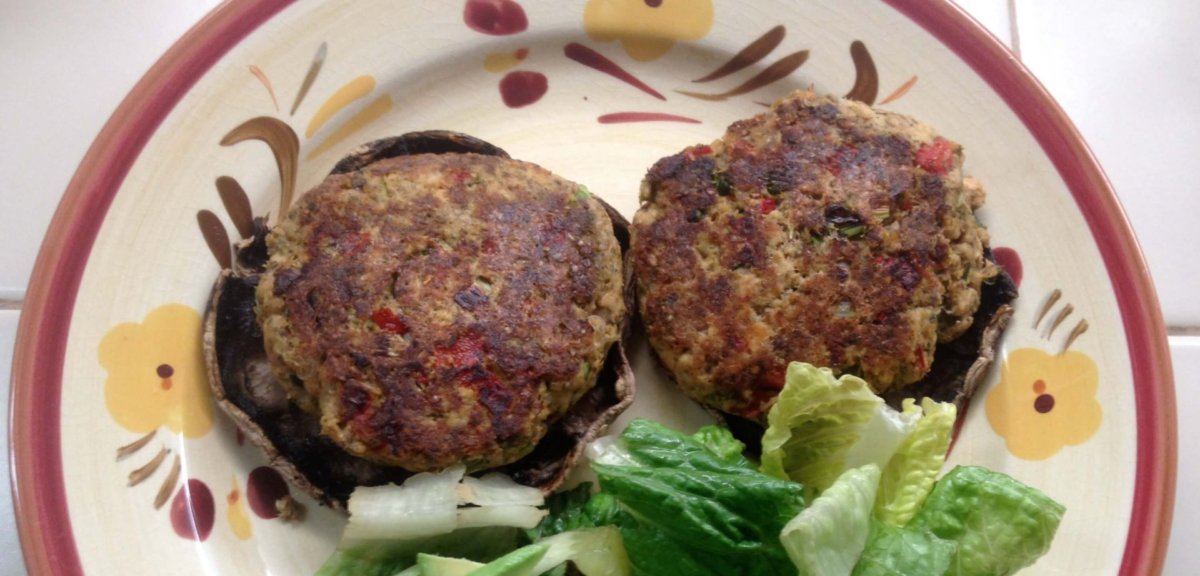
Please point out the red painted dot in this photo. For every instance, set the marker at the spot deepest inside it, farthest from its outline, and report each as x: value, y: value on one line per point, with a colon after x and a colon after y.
x: 1043, y: 403
x: 495, y: 17
x: 192, y: 511
x: 1039, y: 387
x: 523, y: 88
x: 165, y: 371
x: 1010, y: 261
x: 263, y: 488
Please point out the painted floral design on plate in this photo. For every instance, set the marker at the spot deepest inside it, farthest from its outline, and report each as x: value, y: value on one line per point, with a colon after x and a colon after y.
x: 156, y: 386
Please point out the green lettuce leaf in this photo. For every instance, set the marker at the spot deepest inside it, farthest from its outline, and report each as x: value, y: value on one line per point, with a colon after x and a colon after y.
x: 687, y: 509
x: 381, y: 558
x: 827, y: 538
x: 999, y: 524
x: 721, y: 442
x: 574, y: 509
x: 912, y: 470
x: 908, y: 551
x: 821, y: 426
x: 650, y: 444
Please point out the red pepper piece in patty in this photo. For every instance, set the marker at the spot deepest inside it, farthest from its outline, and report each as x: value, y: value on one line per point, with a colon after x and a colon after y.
x: 387, y: 320
x: 936, y: 157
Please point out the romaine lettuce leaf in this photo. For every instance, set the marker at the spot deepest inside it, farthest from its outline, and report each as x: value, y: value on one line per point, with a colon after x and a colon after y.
x: 821, y: 426
x: 593, y: 552
x: 908, y: 551
x: 999, y: 524
x: 827, y: 538
x: 574, y: 509
x: 685, y: 509
x: 650, y: 444
x: 383, y: 558
x: 912, y: 470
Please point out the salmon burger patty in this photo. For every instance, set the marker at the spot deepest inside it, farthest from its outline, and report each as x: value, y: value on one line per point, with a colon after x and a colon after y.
x: 436, y: 309
x: 820, y: 231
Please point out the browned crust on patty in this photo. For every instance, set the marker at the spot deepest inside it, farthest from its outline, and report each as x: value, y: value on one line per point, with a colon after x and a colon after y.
x: 436, y: 309
x: 821, y: 231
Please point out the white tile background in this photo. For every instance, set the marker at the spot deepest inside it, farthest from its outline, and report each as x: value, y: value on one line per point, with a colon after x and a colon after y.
x: 1128, y: 74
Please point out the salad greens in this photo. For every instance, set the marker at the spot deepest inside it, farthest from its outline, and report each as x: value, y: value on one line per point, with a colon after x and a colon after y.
x: 593, y: 552
x: 999, y: 524
x: 828, y: 538
x: 387, y: 558
x: 429, y: 504
x: 896, y: 551
x: 912, y: 470
x: 685, y: 509
x: 676, y: 504
x: 821, y: 426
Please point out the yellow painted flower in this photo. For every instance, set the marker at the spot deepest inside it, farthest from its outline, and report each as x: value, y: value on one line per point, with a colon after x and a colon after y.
x: 1045, y: 402
x: 156, y: 373
x: 647, y: 29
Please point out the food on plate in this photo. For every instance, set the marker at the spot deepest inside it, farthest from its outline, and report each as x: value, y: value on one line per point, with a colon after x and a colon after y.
x: 822, y: 231
x: 676, y: 504
x: 431, y: 303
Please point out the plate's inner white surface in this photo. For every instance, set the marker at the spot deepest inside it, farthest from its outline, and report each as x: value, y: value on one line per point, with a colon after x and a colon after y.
x: 150, y: 252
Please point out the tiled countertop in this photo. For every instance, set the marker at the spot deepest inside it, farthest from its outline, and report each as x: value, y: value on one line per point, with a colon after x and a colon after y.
x: 1125, y: 72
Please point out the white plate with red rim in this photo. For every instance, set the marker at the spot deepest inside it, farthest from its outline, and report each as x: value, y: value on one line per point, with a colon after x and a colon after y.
x: 1081, y: 406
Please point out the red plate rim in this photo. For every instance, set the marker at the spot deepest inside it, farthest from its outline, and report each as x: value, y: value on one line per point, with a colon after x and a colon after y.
x: 39, y: 495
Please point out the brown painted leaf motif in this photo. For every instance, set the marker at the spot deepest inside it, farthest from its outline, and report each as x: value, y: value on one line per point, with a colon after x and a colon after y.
x: 771, y: 74
x: 310, y: 77
x: 216, y: 237
x: 284, y: 144
x: 237, y: 205
x: 749, y: 55
x: 866, y: 78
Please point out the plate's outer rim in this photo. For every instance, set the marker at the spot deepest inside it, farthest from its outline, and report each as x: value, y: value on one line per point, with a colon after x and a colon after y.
x: 1145, y: 332
x: 39, y: 497
x: 36, y: 466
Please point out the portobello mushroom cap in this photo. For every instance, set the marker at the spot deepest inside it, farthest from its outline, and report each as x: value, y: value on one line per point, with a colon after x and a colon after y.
x: 268, y: 410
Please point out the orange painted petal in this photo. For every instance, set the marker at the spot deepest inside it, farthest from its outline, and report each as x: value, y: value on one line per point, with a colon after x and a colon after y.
x: 367, y: 115
x: 346, y: 95
x: 266, y: 82
x: 497, y: 62
x: 901, y: 91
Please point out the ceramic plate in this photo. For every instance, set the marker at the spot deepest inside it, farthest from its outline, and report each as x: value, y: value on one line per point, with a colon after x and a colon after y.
x: 263, y: 96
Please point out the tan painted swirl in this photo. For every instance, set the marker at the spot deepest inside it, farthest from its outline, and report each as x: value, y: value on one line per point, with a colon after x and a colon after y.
x: 284, y: 144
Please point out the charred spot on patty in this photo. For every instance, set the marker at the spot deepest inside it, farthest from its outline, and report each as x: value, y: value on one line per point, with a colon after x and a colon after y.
x: 821, y: 231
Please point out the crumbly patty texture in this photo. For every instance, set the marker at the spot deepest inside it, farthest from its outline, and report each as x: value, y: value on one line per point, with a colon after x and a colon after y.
x: 821, y: 231
x: 437, y: 309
